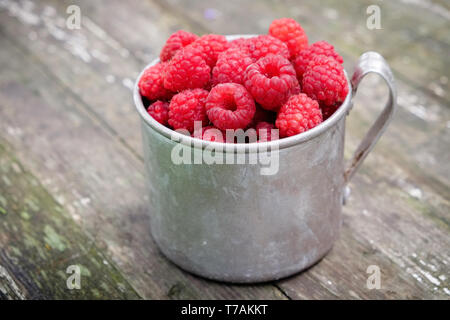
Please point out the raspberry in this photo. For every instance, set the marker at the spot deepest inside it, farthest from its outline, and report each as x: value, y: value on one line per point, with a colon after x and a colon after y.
x: 176, y: 41
x: 151, y: 83
x: 299, y: 114
x: 231, y: 66
x: 327, y: 111
x: 262, y: 45
x: 186, y: 107
x: 159, y: 110
x: 290, y: 32
x: 210, y: 46
x: 271, y: 80
x: 230, y: 106
x: 241, y: 43
x: 186, y: 70
x: 306, y: 56
x: 209, y: 133
x: 325, y: 81
x: 264, y: 130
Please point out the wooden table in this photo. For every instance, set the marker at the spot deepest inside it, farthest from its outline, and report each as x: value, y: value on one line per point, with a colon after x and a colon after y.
x: 72, y: 183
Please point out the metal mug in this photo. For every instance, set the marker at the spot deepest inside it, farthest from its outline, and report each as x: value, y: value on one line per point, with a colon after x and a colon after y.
x: 231, y: 223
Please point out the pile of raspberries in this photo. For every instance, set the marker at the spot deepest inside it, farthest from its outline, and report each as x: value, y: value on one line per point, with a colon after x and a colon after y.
x: 273, y: 81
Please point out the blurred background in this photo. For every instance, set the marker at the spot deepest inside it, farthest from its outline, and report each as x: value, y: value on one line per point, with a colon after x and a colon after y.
x: 73, y: 185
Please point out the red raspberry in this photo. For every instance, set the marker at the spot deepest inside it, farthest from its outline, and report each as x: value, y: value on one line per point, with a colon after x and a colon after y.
x: 231, y: 66
x: 305, y: 57
x: 230, y: 106
x: 209, y: 133
x: 325, y: 81
x: 176, y: 41
x: 263, y: 45
x: 327, y: 111
x: 186, y: 70
x: 210, y: 46
x: 290, y: 32
x: 264, y: 130
x: 159, y: 110
x: 299, y: 114
x: 241, y: 43
x: 151, y: 83
x: 271, y: 80
x: 186, y: 107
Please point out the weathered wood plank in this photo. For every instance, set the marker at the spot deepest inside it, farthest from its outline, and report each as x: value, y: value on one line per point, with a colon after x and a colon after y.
x: 98, y: 180
x: 39, y: 241
x: 409, y: 38
x: 409, y: 158
x: 103, y: 67
x: 416, y: 136
x: 387, y: 223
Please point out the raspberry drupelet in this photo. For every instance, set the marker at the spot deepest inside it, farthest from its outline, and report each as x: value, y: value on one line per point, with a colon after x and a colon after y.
x: 263, y: 45
x: 231, y: 66
x: 324, y: 80
x: 176, y: 41
x: 290, y: 32
x: 303, y: 59
x: 230, y: 106
x: 271, y: 81
x: 240, y: 43
x: 151, y: 84
x: 187, y: 107
x: 210, y: 46
x: 186, y: 70
x: 159, y: 110
x: 299, y: 114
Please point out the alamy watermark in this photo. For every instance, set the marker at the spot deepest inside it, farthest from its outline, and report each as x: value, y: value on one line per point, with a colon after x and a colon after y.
x: 373, y: 20
x: 74, y: 280
x: 193, y: 153
x: 73, y: 21
x: 374, y: 280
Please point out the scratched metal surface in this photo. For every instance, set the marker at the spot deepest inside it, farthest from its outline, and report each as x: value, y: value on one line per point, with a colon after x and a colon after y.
x: 72, y: 174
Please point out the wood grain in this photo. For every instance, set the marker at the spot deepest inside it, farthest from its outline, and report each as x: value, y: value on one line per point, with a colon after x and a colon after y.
x: 85, y: 143
x: 39, y: 241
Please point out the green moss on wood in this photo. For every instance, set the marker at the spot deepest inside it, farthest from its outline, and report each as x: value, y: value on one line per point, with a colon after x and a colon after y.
x: 39, y: 241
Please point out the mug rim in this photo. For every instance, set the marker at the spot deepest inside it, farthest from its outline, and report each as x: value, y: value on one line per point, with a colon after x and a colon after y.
x: 239, y: 147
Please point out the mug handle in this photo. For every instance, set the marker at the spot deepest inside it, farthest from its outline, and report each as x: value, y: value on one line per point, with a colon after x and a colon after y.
x: 371, y: 62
